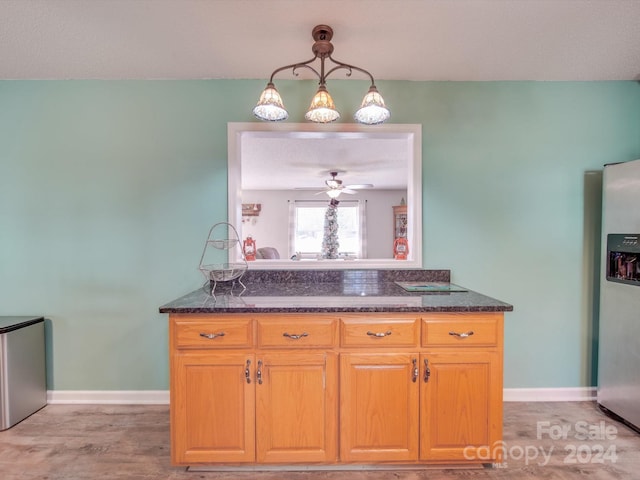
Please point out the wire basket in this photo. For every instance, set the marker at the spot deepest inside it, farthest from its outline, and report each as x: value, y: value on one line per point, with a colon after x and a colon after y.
x: 222, y: 239
x: 224, y: 272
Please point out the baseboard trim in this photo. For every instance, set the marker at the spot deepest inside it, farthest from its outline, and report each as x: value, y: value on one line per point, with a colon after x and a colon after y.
x: 161, y: 397
x: 569, y: 394
x: 109, y: 397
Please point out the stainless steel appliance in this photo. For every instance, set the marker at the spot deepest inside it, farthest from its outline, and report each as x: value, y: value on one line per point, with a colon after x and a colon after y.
x: 23, y: 388
x: 619, y: 336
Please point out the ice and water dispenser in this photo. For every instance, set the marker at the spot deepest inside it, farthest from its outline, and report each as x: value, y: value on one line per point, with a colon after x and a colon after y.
x: 623, y: 258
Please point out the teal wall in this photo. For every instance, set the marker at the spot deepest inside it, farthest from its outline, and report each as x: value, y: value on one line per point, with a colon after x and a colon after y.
x: 108, y: 189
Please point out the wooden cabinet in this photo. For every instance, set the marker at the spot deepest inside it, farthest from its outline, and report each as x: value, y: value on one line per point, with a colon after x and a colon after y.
x: 379, y: 407
x: 212, y: 408
x: 379, y: 393
x: 297, y: 331
x: 322, y: 389
x: 201, y: 332
x: 459, y: 413
x: 234, y: 402
x: 381, y: 332
x: 296, y: 407
x: 461, y: 391
x: 296, y: 391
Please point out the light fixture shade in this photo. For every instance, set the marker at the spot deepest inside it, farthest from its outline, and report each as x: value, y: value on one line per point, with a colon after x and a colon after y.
x: 322, y: 109
x: 333, y: 193
x: 373, y: 110
x: 270, y: 106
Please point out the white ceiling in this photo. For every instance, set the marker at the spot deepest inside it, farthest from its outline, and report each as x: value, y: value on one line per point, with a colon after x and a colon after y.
x: 279, y: 160
x: 393, y: 39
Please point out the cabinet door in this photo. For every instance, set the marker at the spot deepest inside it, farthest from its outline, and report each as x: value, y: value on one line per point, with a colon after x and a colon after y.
x: 212, y: 408
x: 296, y: 408
x: 461, y: 406
x: 378, y: 407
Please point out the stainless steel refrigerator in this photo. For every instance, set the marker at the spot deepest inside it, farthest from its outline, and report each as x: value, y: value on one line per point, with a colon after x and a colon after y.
x: 619, y: 335
x: 23, y: 384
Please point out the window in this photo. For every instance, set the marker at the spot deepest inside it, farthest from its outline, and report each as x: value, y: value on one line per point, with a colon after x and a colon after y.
x: 308, y: 228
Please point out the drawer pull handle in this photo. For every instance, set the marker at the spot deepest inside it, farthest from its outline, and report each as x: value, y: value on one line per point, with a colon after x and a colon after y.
x: 294, y: 336
x: 259, y: 372
x: 211, y: 336
x: 379, y: 334
x: 247, y: 373
x: 462, y: 335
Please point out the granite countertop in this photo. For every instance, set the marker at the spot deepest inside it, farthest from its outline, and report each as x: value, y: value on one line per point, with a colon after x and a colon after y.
x: 327, y: 291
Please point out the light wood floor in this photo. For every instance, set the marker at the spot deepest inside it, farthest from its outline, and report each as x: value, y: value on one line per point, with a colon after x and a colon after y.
x: 132, y: 442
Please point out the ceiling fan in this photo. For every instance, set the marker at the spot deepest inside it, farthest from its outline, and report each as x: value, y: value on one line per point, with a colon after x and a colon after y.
x: 335, y: 186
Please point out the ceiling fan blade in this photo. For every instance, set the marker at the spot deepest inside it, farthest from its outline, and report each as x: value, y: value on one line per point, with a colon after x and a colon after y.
x: 346, y: 190
x: 359, y: 186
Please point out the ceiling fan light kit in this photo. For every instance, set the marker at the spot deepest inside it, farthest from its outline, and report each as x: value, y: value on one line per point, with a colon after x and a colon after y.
x: 335, y: 187
x: 372, y: 110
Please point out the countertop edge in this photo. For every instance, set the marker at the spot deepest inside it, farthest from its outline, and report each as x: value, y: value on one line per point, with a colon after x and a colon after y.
x: 386, y: 309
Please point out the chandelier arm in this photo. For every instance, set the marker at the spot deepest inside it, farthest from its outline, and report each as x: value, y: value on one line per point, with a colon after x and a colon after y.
x: 293, y: 68
x: 300, y: 65
x: 340, y: 65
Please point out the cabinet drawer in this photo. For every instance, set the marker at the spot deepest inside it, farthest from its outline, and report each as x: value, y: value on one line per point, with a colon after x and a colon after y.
x: 379, y: 332
x: 213, y: 333
x: 296, y: 332
x: 461, y: 330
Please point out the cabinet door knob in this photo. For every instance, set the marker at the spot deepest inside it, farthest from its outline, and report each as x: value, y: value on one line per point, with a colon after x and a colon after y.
x: 414, y: 376
x: 294, y: 336
x: 379, y: 334
x: 462, y: 335
x: 427, y: 371
x: 211, y: 336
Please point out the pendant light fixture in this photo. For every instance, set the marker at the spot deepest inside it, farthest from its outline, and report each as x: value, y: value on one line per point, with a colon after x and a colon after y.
x: 322, y: 109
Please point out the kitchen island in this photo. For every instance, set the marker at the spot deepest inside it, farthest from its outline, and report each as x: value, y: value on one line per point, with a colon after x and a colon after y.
x: 336, y: 369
